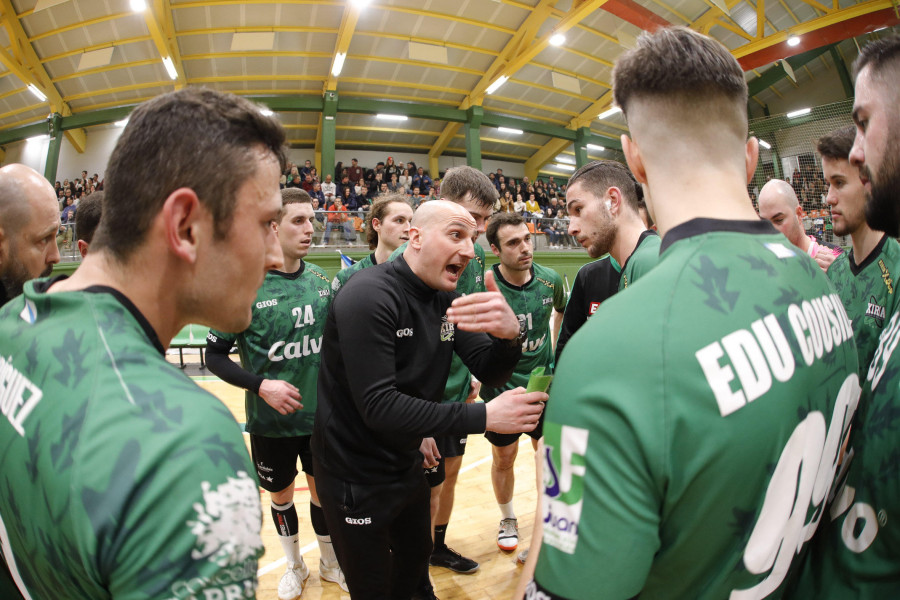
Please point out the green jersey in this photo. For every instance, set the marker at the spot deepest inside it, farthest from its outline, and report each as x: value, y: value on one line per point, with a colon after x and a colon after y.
x: 121, y: 478
x: 857, y: 555
x: 694, y: 424
x: 470, y: 281
x: 533, y: 304
x: 344, y: 274
x: 644, y: 258
x: 284, y: 341
x: 867, y: 291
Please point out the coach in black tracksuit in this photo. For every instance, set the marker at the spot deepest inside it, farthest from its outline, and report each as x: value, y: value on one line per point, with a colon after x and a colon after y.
x: 386, y: 355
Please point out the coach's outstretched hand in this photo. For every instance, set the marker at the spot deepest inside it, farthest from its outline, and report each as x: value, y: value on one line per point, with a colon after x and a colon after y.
x: 515, y: 411
x: 485, y: 311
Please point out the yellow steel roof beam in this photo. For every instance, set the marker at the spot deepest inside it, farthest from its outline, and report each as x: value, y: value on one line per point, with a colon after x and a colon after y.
x: 344, y: 37
x: 158, y: 17
x: 23, y: 61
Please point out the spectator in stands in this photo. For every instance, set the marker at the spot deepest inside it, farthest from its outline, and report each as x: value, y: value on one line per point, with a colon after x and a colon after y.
x: 29, y: 220
x: 394, y: 185
x: 329, y: 189
x: 505, y: 203
x: 350, y: 200
x: 317, y: 193
x: 307, y: 184
x: 405, y: 180
x: 778, y: 203
x: 433, y: 194
x: 67, y: 220
x: 383, y: 190
x: 314, y: 174
x: 338, y: 218
x: 307, y: 169
x: 344, y: 183
x: 355, y: 172
x: 519, y: 205
x: 533, y: 209
x: 390, y: 168
x: 421, y: 179
x: 89, y: 211
x: 319, y: 219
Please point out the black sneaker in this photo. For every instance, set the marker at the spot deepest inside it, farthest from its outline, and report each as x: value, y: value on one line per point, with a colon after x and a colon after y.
x: 451, y: 559
x: 425, y: 593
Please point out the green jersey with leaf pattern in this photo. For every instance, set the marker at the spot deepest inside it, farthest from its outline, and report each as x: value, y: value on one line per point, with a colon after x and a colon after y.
x: 121, y: 478
x: 471, y: 280
x: 344, y: 274
x: 695, y: 422
x: 857, y: 553
x: 644, y: 258
x: 868, y: 290
x: 533, y: 304
x: 283, y: 342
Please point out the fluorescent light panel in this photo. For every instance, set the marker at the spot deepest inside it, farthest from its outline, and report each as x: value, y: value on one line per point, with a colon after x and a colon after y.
x: 138, y: 5
x: 558, y: 40
x: 266, y: 112
x: 565, y: 159
x: 793, y: 40
x: 765, y: 144
x: 339, y: 59
x: 34, y: 90
x: 510, y: 130
x: 496, y: 85
x: 595, y: 147
x: 121, y: 123
x: 565, y: 167
x: 608, y: 113
x: 387, y: 117
x: 799, y: 113
x: 170, y: 68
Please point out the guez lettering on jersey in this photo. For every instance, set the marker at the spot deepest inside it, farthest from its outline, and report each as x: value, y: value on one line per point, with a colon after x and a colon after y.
x: 762, y: 352
x: 18, y: 396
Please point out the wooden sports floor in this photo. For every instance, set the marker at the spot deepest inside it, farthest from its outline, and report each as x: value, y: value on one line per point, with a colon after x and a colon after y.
x: 472, y: 531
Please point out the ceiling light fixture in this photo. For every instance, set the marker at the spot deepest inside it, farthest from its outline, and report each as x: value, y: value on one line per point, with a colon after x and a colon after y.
x: 496, y: 85
x: 566, y: 167
x: 793, y: 40
x: 608, y: 113
x: 121, y: 123
x: 392, y: 117
x: 510, y: 130
x: 799, y: 113
x: 338, y: 63
x: 565, y: 159
x: 170, y: 68
x: 266, y: 112
x: 558, y: 40
x: 595, y: 147
x: 138, y: 5
x: 765, y: 144
x: 34, y: 90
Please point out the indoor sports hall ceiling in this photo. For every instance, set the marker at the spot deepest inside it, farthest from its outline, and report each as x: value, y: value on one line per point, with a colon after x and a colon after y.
x: 442, y: 55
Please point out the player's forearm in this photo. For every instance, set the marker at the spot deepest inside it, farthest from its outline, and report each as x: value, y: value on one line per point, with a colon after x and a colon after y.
x: 229, y: 371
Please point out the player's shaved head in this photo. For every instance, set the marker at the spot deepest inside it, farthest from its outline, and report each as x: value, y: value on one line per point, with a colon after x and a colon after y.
x: 778, y: 204
x: 778, y: 191
x: 441, y: 212
x: 29, y: 219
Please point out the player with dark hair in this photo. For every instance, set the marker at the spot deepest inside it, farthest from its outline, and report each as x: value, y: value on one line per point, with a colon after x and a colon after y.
x: 863, y: 277
x: 280, y: 356
x: 536, y: 296
x: 90, y: 209
x: 857, y: 554
x: 387, y: 228
x: 602, y: 201
x: 121, y: 478
x: 693, y: 457
x: 380, y: 388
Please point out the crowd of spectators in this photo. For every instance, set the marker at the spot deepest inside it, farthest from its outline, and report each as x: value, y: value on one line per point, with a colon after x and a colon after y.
x: 69, y: 193
x: 342, y: 199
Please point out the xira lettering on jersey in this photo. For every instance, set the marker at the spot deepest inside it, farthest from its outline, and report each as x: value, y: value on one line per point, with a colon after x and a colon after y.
x: 876, y: 311
x: 758, y: 354
x: 282, y: 350
x: 18, y: 396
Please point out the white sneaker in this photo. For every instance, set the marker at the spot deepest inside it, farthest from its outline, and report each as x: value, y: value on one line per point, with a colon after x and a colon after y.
x: 333, y: 574
x: 508, y: 535
x: 291, y: 584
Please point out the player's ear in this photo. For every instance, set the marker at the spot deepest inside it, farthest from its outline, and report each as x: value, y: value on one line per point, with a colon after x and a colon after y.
x: 185, y: 222
x: 634, y: 159
x: 415, y: 237
x: 495, y: 250
x: 752, y: 157
x: 82, y: 248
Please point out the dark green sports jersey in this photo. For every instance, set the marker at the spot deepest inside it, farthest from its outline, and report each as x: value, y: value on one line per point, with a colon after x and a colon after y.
x: 121, y: 478
x: 533, y: 303
x: 470, y: 281
x: 344, y: 274
x: 644, y: 258
x: 867, y: 291
x: 283, y: 342
x: 857, y: 553
x: 694, y: 423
